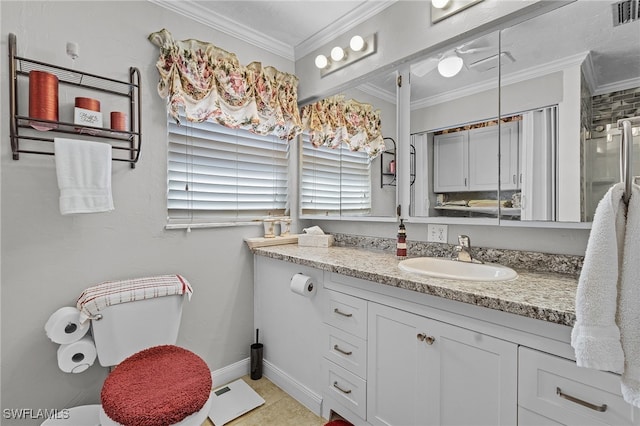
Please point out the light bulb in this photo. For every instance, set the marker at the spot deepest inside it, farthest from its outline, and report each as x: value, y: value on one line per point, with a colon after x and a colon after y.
x: 450, y: 65
x: 321, y: 61
x: 439, y: 4
x: 337, y: 53
x: 357, y: 43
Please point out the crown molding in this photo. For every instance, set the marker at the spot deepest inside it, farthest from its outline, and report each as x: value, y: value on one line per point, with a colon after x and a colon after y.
x: 617, y: 86
x: 346, y: 22
x: 194, y: 11
x: 378, y: 92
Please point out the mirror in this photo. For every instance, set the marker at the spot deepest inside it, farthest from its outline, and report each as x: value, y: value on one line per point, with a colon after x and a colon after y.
x: 454, y: 130
x: 339, y: 183
x: 573, y: 83
x: 566, y: 77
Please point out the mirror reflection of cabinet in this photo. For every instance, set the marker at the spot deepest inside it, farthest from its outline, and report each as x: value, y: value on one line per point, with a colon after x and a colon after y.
x: 569, y: 75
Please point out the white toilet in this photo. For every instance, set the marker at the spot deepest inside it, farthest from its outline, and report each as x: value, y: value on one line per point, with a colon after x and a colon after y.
x: 139, y: 338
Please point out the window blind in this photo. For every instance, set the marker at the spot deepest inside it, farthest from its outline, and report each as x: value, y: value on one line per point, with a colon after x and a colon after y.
x: 334, y: 181
x: 217, y: 173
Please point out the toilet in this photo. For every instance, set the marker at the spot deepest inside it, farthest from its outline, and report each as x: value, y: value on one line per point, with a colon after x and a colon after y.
x: 135, y: 327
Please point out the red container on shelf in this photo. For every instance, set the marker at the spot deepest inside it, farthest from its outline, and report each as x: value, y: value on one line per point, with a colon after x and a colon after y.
x: 88, y: 103
x: 43, y: 99
x: 118, y: 121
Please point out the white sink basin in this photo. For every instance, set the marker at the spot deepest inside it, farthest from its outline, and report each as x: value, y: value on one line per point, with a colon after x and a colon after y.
x: 444, y: 268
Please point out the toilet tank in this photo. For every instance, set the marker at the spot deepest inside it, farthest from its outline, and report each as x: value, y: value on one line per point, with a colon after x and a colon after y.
x: 127, y: 328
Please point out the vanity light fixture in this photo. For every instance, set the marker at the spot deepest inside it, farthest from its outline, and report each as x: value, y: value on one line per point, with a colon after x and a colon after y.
x: 357, y: 43
x: 321, y: 61
x: 337, y: 54
x: 440, y: 4
x: 359, y: 47
x: 442, y: 9
x: 450, y: 65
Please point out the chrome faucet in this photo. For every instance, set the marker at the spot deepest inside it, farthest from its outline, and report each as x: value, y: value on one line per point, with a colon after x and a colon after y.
x: 463, y: 250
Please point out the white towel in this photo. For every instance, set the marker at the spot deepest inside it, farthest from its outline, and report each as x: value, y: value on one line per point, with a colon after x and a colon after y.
x: 83, y: 169
x: 595, y: 336
x: 629, y: 302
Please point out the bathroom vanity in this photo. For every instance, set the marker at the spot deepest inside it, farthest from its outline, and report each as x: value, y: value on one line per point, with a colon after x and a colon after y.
x: 381, y: 346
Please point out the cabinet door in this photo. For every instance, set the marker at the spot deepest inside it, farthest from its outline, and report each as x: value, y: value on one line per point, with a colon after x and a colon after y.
x: 483, y: 158
x: 425, y: 372
x: 450, y: 162
x: 397, y: 373
x: 510, y: 177
x: 477, y: 380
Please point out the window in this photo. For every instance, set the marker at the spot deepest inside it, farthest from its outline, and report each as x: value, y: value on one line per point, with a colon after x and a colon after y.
x: 334, y: 181
x: 219, y: 174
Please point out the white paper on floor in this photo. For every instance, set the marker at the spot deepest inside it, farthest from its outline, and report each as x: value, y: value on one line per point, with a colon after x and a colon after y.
x: 231, y: 401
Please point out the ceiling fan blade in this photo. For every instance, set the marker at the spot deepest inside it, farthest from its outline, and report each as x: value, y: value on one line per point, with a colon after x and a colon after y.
x: 422, y: 68
x: 462, y: 51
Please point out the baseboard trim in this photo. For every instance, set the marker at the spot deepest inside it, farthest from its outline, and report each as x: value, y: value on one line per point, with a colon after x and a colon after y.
x: 230, y: 373
x: 295, y: 389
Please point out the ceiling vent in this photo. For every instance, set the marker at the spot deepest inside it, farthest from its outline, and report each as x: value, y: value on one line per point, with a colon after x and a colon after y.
x: 625, y: 12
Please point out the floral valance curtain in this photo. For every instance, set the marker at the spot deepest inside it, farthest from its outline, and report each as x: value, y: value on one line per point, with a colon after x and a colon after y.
x: 334, y: 120
x: 210, y: 83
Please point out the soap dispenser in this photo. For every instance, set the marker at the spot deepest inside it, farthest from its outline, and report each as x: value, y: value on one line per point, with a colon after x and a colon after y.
x: 401, y: 246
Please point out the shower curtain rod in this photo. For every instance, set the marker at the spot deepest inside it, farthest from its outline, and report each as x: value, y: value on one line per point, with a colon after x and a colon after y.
x: 626, y: 159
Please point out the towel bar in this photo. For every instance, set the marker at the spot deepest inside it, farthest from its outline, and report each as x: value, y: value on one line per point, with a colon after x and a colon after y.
x: 626, y: 159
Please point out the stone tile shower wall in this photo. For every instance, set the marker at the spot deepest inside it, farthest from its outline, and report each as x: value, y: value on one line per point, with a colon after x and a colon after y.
x: 610, y: 107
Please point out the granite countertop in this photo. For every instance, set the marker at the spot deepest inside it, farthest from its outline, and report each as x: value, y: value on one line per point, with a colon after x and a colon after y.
x: 545, y: 296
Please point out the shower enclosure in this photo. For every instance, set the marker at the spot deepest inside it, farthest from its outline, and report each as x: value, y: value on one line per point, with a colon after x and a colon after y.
x: 602, y: 165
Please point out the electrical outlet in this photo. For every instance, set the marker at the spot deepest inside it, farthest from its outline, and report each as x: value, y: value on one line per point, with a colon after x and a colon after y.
x: 436, y: 233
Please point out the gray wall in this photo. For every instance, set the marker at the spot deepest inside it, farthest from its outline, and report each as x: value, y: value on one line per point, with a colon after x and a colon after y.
x: 48, y: 259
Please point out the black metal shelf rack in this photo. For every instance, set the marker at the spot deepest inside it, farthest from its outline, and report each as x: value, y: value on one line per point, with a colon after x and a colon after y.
x: 126, y: 145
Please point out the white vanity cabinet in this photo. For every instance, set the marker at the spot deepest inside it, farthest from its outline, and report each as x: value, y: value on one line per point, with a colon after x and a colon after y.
x: 426, y: 372
x: 291, y: 327
x: 344, y: 364
x: 378, y: 355
x: 468, y: 160
x: 555, y: 391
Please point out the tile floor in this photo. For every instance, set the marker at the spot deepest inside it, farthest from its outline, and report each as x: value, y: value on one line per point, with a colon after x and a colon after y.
x: 278, y: 409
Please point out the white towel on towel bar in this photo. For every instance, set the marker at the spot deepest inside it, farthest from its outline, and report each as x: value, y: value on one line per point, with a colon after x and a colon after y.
x: 595, y: 336
x: 83, y: 169
x: 629, y: 302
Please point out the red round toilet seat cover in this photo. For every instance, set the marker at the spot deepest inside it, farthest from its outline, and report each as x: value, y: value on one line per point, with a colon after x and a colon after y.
x: 157, y: 386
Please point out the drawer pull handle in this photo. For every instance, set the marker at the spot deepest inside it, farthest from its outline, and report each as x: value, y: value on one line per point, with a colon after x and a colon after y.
x: 335, y: 385
x: 337, y: 348
x: 339, y: 312
x: 601, y: 408
x: 424, y: 338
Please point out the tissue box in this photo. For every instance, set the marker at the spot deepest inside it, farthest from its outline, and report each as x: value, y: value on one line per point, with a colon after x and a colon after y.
x: 309, y: 240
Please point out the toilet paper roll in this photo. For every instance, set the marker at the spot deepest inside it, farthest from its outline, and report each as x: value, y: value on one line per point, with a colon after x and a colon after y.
x: 63, y: 326
x: 303, y: 285
x: 76, y: 357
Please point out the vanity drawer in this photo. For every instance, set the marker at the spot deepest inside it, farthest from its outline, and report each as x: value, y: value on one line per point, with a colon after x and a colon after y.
x: 344, y: 387
x: 346, y: 350
x: 558, y: 389
x: 347, y: 313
